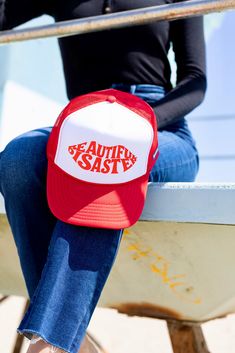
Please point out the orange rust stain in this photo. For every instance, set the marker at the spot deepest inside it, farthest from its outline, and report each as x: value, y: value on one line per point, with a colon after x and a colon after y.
x: 126, y: 232
x: 161, y: 267
x: 147, y: 310
x: 139, y: 253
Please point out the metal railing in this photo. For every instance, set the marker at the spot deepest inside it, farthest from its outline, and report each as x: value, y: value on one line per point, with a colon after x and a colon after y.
x: 119, y: 19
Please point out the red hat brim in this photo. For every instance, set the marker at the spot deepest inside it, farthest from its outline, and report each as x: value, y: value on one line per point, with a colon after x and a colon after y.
x: 113, y: 206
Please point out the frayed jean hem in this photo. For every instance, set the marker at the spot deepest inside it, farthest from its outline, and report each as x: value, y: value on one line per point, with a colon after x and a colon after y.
x: 28, y: 333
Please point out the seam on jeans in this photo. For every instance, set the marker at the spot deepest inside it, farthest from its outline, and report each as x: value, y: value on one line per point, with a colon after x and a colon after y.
x: 35, y: 295
x: 76, y: 338
x: 73, y: 345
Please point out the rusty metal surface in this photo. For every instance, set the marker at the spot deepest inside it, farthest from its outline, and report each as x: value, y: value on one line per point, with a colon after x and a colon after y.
x: 117, y: 20
x: 146, y: 310
x: 187, y: 339
x: 174, y: 270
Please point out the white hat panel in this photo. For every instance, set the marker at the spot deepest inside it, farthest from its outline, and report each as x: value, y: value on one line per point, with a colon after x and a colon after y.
x: 104, y: 143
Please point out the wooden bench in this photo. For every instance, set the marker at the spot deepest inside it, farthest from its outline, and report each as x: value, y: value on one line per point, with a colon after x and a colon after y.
x: 175, y: 264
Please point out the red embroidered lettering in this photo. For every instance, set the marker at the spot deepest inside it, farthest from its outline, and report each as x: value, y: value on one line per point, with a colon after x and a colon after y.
x: 115, y: 165
x: 84, y: 163
x: 106, y: 168
x: 76, y: 150
x: 100, y: 150
x: 127, y: 154
x: 120, y: 150
x: 126, y: 164
x: 133, y: 159
x: 96, y: 165
x: 114, y: 152
x: 92, y: 148
x: 98, y: 158
x: 108, y: 150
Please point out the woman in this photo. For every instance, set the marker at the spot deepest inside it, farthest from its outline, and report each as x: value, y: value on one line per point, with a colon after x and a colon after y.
x: 65, y: 267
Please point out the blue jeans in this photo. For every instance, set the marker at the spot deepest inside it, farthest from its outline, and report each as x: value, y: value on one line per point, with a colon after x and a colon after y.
x: 65, y: 267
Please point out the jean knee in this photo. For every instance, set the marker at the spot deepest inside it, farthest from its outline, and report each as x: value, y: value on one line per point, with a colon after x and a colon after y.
x: 23, y: 162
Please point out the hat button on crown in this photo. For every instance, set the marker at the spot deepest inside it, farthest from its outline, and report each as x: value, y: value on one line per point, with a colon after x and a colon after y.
x: 111, y: 99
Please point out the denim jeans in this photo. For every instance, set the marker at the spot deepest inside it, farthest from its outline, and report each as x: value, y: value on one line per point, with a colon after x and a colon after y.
x: 65, y: 267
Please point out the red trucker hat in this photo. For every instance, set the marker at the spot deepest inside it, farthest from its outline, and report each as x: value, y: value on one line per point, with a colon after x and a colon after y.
x: 100, y: 153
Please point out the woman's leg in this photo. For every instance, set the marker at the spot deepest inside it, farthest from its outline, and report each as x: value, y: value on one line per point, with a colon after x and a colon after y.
x: 178, y: 159
x: 78, y: 263
x: 54, y: 307
x: 22, y: 183
x: 65, y: 280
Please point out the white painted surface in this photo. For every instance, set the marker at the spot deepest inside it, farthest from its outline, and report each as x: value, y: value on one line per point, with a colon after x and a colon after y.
x: 190, y: 202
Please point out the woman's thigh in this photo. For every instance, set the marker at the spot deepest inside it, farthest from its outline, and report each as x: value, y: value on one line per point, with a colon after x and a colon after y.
x: 23, y: 161
x: 23, y: 166
x: 25, y: 156
x: 178, y: 159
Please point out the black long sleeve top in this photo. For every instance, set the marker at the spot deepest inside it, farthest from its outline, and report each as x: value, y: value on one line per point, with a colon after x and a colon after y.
x: 132, y: 55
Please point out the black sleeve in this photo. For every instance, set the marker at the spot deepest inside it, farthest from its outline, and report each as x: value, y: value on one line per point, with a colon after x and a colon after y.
x: 187, y: 36
x: 16, y: 12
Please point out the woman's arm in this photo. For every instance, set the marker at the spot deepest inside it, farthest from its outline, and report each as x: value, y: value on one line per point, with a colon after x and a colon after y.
x: 16, y: 12
x: 187, y: 37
